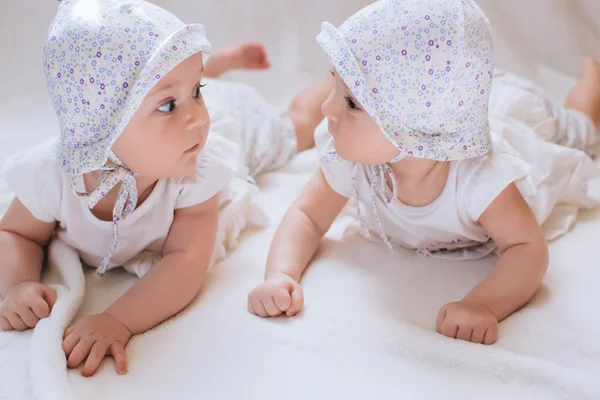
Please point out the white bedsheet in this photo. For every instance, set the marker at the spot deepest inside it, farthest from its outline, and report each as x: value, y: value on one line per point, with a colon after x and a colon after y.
x: 367, y: 330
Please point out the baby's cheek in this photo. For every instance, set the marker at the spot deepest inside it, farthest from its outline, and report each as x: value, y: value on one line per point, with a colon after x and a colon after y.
x: 168, y: 154
x: 153, y: 158
x: 358, y: 141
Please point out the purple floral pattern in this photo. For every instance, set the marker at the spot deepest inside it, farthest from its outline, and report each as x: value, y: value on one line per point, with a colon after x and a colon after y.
x: 100, y: 62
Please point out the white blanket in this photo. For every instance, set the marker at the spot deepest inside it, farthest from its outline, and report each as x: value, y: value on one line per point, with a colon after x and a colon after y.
x: 36, y: 358
x: 367, y: 330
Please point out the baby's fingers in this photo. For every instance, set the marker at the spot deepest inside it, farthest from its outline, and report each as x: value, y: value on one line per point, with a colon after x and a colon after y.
x: 440, y: 318
x: 94, y: 359
x: 271, y: 307
x: 79, y: 353
x: 478, y: 335
x: 4, y: 324
x: 464, y: 332
x: 70, y: 341
x: 49, y: 295
x: 283, y: 299
x: 40, y: 308
x: 28, y: 317
x: 16, y: 322
x: 491, y: 335
x: 449, y: 328
x: 69, y: 330
x: 297, y: 301
x: 259, y: 308
x: 118, y: 353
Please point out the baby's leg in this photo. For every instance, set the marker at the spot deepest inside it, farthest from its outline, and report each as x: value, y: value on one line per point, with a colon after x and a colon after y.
x: 267, y: 135
x: 246, y: 55
x: 574, y: 124
x: 578, y: 122
x: 585, y: 95
x: 305, y: 111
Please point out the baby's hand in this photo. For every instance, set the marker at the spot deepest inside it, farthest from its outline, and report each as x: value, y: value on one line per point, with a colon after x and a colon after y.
x: 25, y: 304
x: 469, y: 321
x: 94, y: 337
x: 277, y: 295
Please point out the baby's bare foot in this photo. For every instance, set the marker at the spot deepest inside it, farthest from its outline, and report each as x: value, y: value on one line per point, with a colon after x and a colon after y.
x: 585, y: 95
x: 248, y: 55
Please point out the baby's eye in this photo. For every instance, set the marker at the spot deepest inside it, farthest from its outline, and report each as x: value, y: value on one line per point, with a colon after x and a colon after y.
x: 351, y: 104
x: 196, y: 94
x: 167, y: 106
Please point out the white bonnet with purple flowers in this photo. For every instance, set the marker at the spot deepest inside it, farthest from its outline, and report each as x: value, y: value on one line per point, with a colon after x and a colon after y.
x: 422, y: 69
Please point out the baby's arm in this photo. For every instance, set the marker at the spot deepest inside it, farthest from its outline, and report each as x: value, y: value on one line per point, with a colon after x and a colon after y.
x: 22, y: 242
x: 175, y: 281
x: 166, y: 289
x: 515, y: 278
x: 523, y: 260
x: 294, y: 245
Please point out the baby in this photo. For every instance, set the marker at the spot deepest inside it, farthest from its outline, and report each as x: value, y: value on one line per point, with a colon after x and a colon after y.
x: 136, y: 171
x: 432, y: 164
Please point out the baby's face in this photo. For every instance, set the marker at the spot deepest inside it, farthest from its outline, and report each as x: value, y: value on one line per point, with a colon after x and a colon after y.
x: 357, y: 137
x: 170, y: 128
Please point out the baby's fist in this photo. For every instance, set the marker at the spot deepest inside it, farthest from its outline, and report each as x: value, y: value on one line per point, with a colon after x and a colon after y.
x: 277, y: 295
x: 469, y: 321
x: 25, y: 304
